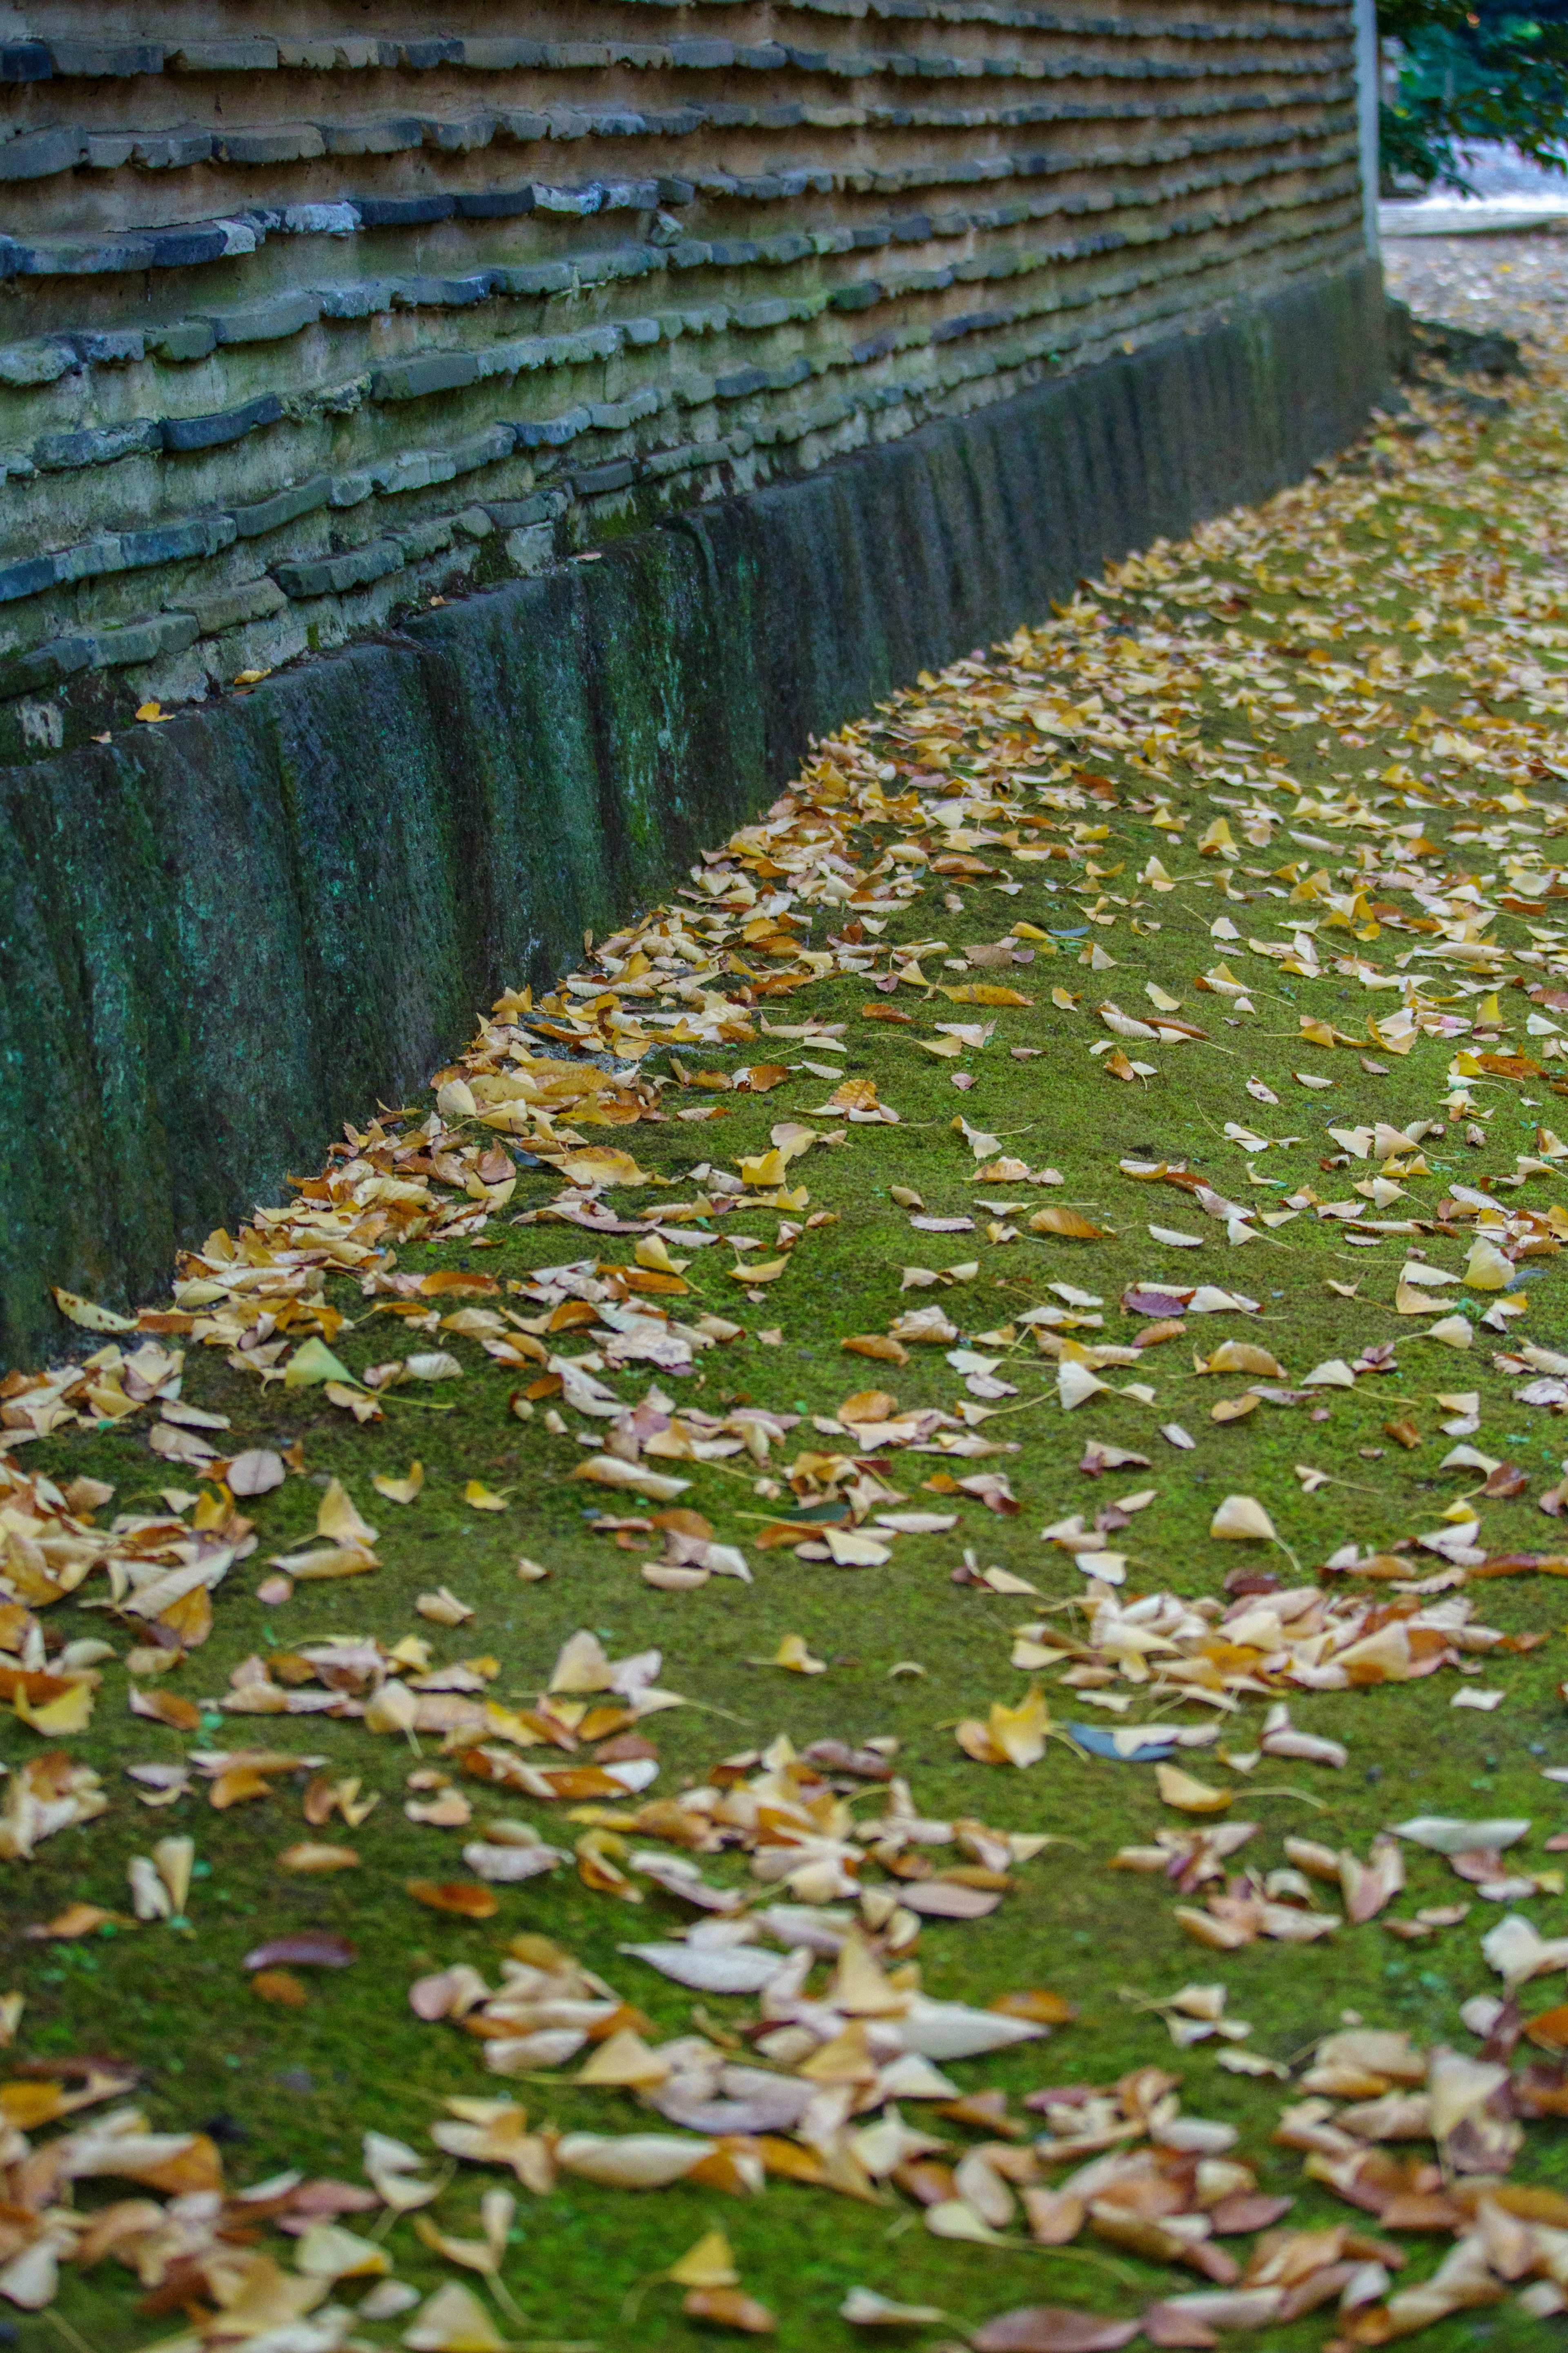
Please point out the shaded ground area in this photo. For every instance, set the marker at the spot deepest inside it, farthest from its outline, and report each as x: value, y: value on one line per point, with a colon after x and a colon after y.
x: 862, y: 1640
x: 1519, y: 284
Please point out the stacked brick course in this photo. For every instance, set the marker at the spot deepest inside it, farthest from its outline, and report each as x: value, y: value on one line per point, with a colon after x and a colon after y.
x: 305, y: 320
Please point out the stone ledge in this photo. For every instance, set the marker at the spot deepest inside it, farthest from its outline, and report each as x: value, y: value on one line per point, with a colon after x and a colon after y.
x: 182, y: 342
x: 330, y: 575
x: 40, y: 60
x: 186, y: 341
x: 43, y: 154
x: 37, y: 60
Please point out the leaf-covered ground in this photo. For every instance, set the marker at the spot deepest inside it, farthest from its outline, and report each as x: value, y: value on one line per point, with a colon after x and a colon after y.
x: 949, y: 1437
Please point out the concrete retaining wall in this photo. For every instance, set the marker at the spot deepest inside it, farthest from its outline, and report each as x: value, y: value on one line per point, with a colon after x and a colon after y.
x: 221, y: 936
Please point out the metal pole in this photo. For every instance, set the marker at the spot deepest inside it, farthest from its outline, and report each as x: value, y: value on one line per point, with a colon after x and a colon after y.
x: 1367, y: 78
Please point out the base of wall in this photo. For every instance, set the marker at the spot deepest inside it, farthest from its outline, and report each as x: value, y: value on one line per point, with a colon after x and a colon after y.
x: 222, y: 936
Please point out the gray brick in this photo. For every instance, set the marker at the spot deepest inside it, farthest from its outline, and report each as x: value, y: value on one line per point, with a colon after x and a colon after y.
x: 268, y: 321
x: 44, y: 361
x: 416, y: 379
x: 90, y: 559
x: 25, y: 61
x: 360, y: 300
x: 536, y: 277
x: 333, y: 575
x: 486, y: 448
x: 320, y: 220
x: 96, y: 445
x: 495, y: 204
x: 77, y: 256
x: 502, y: 56
x: 176, y: 542
x: 584, y: 199
x: 326, y: 55
x: 740, y: 383
x: 283, y: 506
x: 518, y: 514
x: 110, y: 346
x: 182, y: 340
x: 597, y: 480
x: 553, y: 432
x: 587, y: 343
x: 857, y: 298
x: 38, y: 155
x: 144, y: 642
x: 227, y: 609
x: 187, y: 249
x: 282, y: 142
x: 389, y: 136
x: 223, y: 57
x: 463, y: 136
x: 774, y: 312
x: 46, y: 665
x: 442, y: 293
x: 423, y: 539
x: 787, y: 373
x: 95, y: 59
x: 30, y: 578
x: 228, y: 425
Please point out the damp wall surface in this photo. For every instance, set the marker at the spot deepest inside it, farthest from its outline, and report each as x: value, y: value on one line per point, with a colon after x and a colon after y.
x: 304, y: 317
x: 222, y: 935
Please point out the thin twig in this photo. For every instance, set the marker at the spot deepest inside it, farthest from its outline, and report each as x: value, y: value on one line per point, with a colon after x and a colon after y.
x: 72, y: 2336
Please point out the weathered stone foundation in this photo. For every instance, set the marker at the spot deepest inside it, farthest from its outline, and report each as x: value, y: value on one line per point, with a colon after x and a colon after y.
x: 221, y: 936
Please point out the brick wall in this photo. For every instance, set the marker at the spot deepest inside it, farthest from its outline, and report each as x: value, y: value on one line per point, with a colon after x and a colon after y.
x: 302, y: 322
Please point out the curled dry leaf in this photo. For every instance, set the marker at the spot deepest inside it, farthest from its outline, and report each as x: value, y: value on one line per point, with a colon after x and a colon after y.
x: 1069, y: 1224
x: 255, y: 1472
x: 179, y: 1714
x: 1190, y: 1795
x: 281, y: 1986
x: 877, y: 1345
x: 1244, y: 1518
x: 311, y: 1948
x: 865, y: 2307
x: 456, y: 1896
x: 453, y: 2321
x: 310, y: 1855
x: 1053, y: 2328
x: 404, y: 1489
x: 794, y: 1654
x: 729, y: 2307
x: 443, y: 1608
x: 710, y: 2263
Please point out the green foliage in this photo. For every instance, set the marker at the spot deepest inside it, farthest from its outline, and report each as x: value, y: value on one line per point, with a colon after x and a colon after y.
x: 1471, y: 69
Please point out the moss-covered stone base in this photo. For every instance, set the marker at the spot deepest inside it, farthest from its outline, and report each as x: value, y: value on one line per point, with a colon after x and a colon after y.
x: 221, y: 936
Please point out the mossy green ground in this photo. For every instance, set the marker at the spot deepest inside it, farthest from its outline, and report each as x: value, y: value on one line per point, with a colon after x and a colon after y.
x: 299, y: 2088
